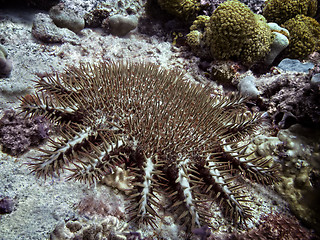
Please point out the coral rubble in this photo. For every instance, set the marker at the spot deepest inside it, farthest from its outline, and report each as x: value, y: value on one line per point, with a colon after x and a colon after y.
x: 18, y: 134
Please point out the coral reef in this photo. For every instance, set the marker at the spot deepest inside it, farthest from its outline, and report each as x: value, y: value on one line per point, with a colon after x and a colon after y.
x: 247, y: 87
x: 119, y: 179
x: 101, y: 205
x: 223, y: 72
x: 95, y: 17
x: 304, y: 36
x: 174, y: 137
x: 280, y: 42
x: 280, y: 11
x: 300, y: 155
x: 184, y: 9
x: 294, y: 65
x: 17, y: 134
x: 255, y: 5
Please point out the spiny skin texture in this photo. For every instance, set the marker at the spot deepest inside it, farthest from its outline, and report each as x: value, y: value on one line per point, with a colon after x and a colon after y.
x: 174, y: 137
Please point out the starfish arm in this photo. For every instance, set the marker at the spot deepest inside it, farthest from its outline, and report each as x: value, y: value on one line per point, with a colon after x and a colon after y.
x: 141, y: 197
x: 61, y: 151
x: 52, y: 107
x: 222, y: 187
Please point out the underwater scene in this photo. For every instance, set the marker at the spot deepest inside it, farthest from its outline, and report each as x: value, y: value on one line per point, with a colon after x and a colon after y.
x: 159, y: 120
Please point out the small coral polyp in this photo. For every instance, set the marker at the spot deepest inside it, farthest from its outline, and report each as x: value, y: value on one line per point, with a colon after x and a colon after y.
x: 174, y: 137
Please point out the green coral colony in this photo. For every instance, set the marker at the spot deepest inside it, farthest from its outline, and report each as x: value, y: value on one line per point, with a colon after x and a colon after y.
x: 297, y: 17
x: 174, y: 137
x: 234, y: 32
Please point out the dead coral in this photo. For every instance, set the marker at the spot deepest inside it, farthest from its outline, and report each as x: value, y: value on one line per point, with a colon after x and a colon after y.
x: 17, y: 134
x: 292, y: 93
x: 108, y: 228
x: 101, y: 205
x: 275, y: 226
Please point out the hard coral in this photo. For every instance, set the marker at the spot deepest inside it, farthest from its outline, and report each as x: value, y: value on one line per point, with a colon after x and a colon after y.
x: 234, y: 31
x: 17, y: 134
x: 304, y: 36
x: 280, y: 11
x: 108, y: 227
x: 195, y: 37
x: 184, y: 9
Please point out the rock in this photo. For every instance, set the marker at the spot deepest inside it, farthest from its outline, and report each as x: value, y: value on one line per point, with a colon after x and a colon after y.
x: 295, y: 65
x: 279, y: 43
x: 7, y: 205
x: 315, y: 80
x: 46, y: 31
x: 247, y: 87
x: 5, y: 64
x: 121, y: 25
x: 66, y: 19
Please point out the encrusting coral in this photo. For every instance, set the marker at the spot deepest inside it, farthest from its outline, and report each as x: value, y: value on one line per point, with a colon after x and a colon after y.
x: 280, y: 11
x: 172, y: 135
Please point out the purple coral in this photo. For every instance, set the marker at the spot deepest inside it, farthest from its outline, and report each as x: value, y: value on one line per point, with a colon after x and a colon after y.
x: 17, y: 133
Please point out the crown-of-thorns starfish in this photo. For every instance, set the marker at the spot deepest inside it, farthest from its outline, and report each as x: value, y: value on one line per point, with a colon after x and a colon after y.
x: 172, y: 135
